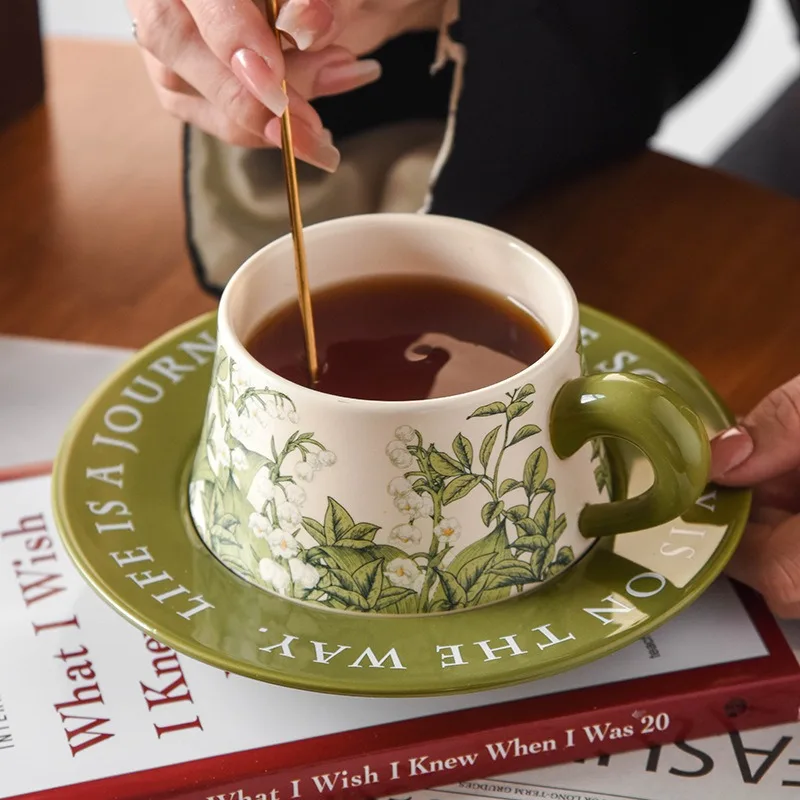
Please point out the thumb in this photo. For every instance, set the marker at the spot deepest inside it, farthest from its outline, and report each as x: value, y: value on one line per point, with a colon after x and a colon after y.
x: 764, y: 445
x: 313, y: 24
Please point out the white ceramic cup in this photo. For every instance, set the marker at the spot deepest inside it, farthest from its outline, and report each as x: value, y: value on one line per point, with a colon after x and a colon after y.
x: 430, y: 505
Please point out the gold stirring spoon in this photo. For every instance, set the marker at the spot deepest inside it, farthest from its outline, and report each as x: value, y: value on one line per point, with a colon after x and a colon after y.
x: 296, y: 221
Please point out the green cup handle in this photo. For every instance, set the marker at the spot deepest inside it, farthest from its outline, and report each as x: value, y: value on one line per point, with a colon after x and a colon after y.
x: 653, y: 418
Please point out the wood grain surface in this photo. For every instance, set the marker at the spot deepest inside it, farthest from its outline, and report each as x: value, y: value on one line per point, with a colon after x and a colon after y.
x: 91, y: 234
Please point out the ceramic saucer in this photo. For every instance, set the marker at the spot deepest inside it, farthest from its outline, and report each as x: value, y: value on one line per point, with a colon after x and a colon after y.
x: 120, y: 498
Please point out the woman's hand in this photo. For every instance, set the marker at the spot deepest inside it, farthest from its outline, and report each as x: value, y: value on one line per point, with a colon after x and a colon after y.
x: 764, y: 452
x: 217, y: 65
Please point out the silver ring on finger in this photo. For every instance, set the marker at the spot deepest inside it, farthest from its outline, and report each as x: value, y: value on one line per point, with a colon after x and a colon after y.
x: 134, y: 31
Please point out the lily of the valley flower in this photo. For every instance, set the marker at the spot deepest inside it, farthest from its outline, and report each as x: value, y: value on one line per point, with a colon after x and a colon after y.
x: 409, y: 503
x: 260, y: 525
x: 327, y: 458
x: 426, y: 509
x: 304, y: 471
x: 399, y: 455
x: 223, y: 455
x: 237, y: 379
x: 274, y: 574
x: 282, y: 544
x: 398, y: 486
x: 405, y: 534
x: 294, y: 493
x: 292, y: 417
x: 289, y: 516
x: 262, y: 489
x: 405, y: 433
x: 402, y: 572
x: 303, y: 574
x: 448, y: 530
x: 238, y: 458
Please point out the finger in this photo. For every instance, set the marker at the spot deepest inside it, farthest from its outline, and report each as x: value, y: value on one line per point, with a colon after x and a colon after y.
x: 766, y: 443
x: 312, y: 146
x: 333, y: 70
x: 164, y: 77
x: 768, y: 560
x: 199, y: 112
x: 312, y: 23
x: 239, y: 36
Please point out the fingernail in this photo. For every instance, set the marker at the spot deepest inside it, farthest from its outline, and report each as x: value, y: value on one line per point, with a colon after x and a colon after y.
x: 316, y: 147
x: 339, y: 78
x: 260, y: 80
x: 305, y: 21
x: 730, y: 449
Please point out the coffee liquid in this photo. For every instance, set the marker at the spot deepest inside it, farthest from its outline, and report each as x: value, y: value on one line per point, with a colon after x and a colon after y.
x: 403, y: 338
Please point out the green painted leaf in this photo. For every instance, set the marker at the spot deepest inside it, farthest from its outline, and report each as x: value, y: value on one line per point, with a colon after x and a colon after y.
x: 315, y: 530
x: 541, y: 559
x: 469, y: 574
x: 454, y: 593
x: 458, y: 488
x: 561, y: 524
x: 508, y: 485
x: 513, y: 573
x: 229, y: 522
x: 525, y: 391
x: 439, y: 605
x: 363, y: 530
x: 491, y: 511
x: 524, y: 432
x: 535, y: 471
x: 516, y: 513
x: 525, y: 527
x: 369, y: 580
x: 337, y: 522
x: 487, y: 446
x: 438, y: 558
x: 462, y: 447
x: 565, y: 556
x: 548, y: 486
x: 391, y: 596
x: 223, y: 367
x: 350, y: 598
x: 444, y: 465
x: 356, y: 544
x: 489, y: 410
x: 544, y: 520
x: 343, y: 578
x: 530, y: 543
x: 517, y: 409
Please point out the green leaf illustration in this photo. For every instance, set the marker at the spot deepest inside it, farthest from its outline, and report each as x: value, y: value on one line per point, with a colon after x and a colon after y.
x: 470, y: 573
x: 444, y: 465
x: 524, y: 432
x: 487, y: 446
x: 363, y: 530
x: 222, y: 369
x: 541, y: 559
x: 530, y: 543
x: 454, y: 593
x: 316, y: 530
x: 558, y: 529
x: 458, y: 488
x: 512, y: 573
x: 337, y: 522
x: 350, y: 598
x: 356, y: 544
x: 369, y: 580
x: 535, y: 471
x: 392, y: 595
x: 228, y: 521
x: 508, y: 485
x: 491, y: 510
x: 548, y: 486
x: 517, y: 409
x: 516, y: 513
x: 342, y: 577
x: 544, y: 520
x: 462, y: 447
x: 525, y: 391
x: 489, y: 410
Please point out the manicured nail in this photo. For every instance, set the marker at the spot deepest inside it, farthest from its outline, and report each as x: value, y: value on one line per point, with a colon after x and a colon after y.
x: 730, y: 449
x: 254, y: 72
x: 339, y: 78
x: 316, y: 147
x: 305, y: 21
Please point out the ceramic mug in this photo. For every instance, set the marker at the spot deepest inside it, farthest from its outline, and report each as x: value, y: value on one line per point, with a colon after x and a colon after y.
x: 431, y: 505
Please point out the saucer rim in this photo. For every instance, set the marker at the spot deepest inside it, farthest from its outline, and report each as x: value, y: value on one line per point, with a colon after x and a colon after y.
x: 220, y: 659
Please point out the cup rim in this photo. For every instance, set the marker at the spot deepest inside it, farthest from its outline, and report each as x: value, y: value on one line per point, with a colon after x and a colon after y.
x: 239, y: 353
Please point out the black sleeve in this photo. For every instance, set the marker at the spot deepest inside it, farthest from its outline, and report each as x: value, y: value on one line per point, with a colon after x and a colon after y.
x: 551, y: 87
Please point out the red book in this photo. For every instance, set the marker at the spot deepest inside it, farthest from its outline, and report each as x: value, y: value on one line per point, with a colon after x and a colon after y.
x: 92, y: 708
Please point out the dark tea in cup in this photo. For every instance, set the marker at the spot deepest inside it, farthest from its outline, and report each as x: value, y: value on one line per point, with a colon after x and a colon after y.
x: 401, y: 337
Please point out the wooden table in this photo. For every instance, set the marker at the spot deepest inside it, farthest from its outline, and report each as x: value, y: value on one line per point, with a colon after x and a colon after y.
x: 91, y: 234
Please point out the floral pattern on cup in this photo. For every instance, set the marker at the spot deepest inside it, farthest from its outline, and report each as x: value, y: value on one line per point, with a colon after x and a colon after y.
x: 251, y: 507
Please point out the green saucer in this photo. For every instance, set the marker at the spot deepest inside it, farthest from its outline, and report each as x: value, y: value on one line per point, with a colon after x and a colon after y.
x: 120, y: 499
